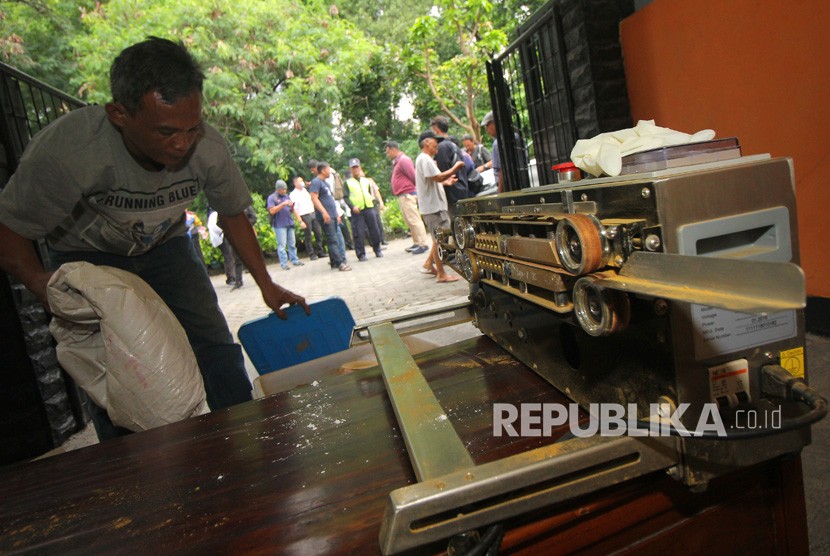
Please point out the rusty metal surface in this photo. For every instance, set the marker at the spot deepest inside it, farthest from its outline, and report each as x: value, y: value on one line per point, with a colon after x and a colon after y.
x: 479, y: 496
x: 433, y: 446
x: 416, y: 323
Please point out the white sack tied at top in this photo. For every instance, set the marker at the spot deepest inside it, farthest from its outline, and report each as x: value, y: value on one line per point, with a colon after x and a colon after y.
x: 123, y: 346
x: 603, y: 154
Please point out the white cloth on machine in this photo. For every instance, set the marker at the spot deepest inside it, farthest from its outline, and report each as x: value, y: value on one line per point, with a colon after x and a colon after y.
x: 603, y: 154
x: 123, y: 346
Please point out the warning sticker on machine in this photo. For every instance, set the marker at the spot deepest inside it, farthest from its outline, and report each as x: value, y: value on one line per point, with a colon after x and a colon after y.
x: 793, y: 361
x: 718, y: 331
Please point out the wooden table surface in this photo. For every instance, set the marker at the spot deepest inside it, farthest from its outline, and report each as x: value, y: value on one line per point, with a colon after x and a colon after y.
x: 308, y: 471
x: 305, y: 471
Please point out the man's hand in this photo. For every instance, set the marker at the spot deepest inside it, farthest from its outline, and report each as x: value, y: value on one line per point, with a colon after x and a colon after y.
x: 355, y: 210
x: 450, y: 180
x: 240, y: 233
x: 276, y: 297
x: 326, y: 217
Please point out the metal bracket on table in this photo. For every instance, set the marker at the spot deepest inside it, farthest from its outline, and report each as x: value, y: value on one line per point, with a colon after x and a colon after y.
x: 418, y: 322
x: 455, y: 495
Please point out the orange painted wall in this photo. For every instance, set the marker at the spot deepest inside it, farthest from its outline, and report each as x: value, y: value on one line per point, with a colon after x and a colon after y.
x: 758, y: 70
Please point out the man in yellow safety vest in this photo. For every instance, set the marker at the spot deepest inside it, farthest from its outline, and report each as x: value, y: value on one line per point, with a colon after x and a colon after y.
x: 358, y: 194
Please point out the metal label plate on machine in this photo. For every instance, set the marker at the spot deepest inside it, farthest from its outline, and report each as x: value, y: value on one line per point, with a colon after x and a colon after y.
x: 719, y: 331
x: 761, y: 235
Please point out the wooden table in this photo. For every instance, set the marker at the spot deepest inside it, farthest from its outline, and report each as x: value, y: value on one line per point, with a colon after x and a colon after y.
x: 308, y: 471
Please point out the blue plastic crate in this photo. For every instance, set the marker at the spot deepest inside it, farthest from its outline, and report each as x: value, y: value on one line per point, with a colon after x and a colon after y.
x: 273, y: 344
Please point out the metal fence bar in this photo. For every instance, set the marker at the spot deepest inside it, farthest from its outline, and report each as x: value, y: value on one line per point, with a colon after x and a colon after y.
x: 27, y: 106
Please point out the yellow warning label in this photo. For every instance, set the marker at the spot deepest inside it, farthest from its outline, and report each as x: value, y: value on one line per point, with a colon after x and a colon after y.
x: 793, y: 361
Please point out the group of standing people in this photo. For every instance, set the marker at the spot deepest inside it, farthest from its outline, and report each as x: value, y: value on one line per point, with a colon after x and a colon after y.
x: 426, y: 194
x: 321, y: 209
x: 427, y: 191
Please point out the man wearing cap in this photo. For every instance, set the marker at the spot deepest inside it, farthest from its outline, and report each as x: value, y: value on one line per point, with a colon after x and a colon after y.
x: 489, y: 125
x: 403, y: 187
x: 359, y: 196
x: 282, y: 212
x: 478, y: 152
x: 305, y: 210
x: 430, y: 183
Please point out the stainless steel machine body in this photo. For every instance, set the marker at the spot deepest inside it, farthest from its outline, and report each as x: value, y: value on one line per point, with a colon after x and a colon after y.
x: 672, y: 287
x: 675, y: 294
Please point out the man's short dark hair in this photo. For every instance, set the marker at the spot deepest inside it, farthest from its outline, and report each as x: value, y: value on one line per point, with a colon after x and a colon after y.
x: 154, y: 65
x: 312, y: 164
x: 426, y: 134
x: 392, y: 145
x: 441, y: 122
x: 466, y: 137
x: 322, y: 165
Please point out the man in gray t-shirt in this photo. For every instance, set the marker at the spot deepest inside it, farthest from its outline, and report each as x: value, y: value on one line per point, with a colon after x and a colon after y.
x: 109, y: 185
x: 432, y: 199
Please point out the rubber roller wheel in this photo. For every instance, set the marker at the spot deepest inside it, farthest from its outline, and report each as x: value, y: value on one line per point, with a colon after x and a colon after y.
x: 578, y: 244
x: 600, y: 311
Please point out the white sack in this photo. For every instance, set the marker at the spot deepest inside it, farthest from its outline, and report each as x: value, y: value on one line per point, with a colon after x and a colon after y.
x: 489, y: 177
x: 603, y: 154
x: 124, y: 346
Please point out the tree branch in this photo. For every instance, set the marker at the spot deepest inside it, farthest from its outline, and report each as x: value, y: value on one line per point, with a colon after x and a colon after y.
x: 431, y: 84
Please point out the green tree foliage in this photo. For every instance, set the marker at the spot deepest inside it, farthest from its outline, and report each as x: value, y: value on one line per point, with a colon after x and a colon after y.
x: 277, y: 69
x: 510, y: 14
x: 392, y: 217
x: 287, y: 80
x: 34, y: 37
x: 369, y: 116
x: 448, y: 50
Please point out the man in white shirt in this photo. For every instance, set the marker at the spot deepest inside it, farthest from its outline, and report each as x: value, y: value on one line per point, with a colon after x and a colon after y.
x: 432, y: 199
x: 305, y: 208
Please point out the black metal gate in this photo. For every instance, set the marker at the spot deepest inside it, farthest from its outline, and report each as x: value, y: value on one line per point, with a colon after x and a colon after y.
x: 561, y: 80
x: 39, y: 406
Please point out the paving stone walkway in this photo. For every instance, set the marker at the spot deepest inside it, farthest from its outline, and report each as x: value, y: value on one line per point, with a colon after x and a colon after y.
x: 380, y: 288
